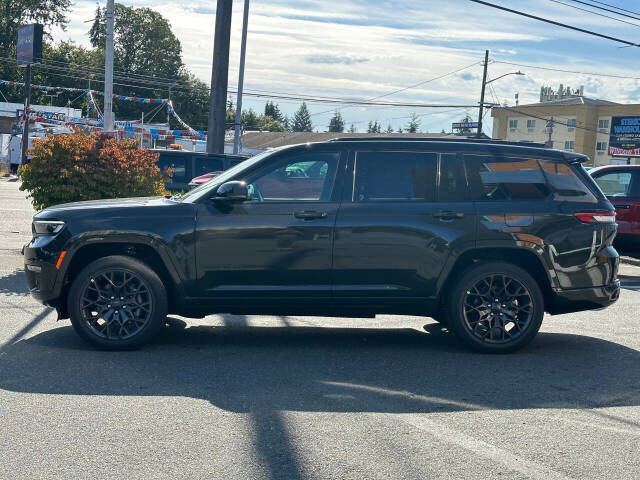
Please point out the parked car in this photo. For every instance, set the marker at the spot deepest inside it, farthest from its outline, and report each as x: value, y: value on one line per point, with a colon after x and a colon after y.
x: 196, y: 182
x: 480, y: 235
x: 181, y: 167
x: 621, y: 185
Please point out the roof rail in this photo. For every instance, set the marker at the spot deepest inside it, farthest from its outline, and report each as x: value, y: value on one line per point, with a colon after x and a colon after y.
x: 436, y: 139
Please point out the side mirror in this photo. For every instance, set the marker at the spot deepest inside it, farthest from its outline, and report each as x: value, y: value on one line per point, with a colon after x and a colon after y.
x: 234, y: 191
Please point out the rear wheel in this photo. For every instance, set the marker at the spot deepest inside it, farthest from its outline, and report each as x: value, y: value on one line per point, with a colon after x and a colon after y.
x: 496, y: 308
x: 117, y: 303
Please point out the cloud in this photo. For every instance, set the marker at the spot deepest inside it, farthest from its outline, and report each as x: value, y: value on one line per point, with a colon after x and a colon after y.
x: 332, y: 59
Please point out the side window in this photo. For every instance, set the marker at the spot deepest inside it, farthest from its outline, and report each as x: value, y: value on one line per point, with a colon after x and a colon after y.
x: 494, y: 178
x: 453, y: 181
x: 564, y: 182
x: 173, y: 166
x: 615, y: 184
x: 207, y: 165
x: 303, y: 177
x: 395, y: 176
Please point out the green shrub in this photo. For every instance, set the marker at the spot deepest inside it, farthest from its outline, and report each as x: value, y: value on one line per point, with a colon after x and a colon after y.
x: 76, y: 167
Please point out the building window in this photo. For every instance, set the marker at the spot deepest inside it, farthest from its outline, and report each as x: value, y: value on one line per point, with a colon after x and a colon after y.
x: 604, y: 124
x: 571, y: 122
x: 569, y: 144
x: 513, y: 124
x: 531, y: 124
x: 601, y: 146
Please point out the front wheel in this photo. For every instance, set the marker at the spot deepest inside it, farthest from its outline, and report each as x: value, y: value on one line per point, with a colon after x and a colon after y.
x: 117, y: 303
x: 496, y: 308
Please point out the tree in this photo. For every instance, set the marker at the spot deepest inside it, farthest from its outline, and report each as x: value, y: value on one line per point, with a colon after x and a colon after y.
x: 272, y: 110
x: 250, y: 121
x: 286, y: 123
x: 14, y: 14
x: 414, y: 124
x: 352, y: 129
x: 389, y: 129
x: 336, y: 124
x: 302, y: 120
x: 270, y: 124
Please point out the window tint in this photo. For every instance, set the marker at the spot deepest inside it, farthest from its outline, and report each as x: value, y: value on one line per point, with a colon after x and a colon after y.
x: 453, y: 182
x: 207, y: 165
x: 304, y: 177
x: 505, y: 178
x: 615, y: 184
x: 565, y: 183
x: 395, y: 176
x: 173, y: 166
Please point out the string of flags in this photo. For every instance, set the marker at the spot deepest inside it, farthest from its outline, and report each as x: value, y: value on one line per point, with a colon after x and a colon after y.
x: 126, y: 128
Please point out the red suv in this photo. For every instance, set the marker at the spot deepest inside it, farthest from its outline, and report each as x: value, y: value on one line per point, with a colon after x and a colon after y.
x: 621, y: 185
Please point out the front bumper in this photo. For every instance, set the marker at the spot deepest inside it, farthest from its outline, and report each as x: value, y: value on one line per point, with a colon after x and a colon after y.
x: 44, y: 279
x: 578, y: 299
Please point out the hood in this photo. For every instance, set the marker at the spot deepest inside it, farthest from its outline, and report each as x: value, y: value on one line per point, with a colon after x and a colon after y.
x: 107, y: 206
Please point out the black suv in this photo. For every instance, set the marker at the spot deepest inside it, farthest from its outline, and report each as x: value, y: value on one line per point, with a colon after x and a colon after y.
x: 482, y: 236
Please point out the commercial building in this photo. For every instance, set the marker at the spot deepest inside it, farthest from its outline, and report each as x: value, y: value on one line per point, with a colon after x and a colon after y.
x: 571, y: 121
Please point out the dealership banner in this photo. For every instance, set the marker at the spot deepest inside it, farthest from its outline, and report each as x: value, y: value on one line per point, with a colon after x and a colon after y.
x: 624, y: 138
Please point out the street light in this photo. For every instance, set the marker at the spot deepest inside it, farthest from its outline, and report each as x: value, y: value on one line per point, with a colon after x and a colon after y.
x: 485, y: 82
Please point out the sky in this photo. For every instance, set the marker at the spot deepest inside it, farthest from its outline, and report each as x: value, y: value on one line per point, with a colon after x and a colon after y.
x: 361, y: 49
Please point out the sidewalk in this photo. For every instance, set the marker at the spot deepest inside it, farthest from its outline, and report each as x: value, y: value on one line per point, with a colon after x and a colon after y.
x: 15, y: 224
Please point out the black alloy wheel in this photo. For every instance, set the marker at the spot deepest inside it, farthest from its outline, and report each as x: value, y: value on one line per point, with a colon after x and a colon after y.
x: 495, y: 307
x: 117, y: 303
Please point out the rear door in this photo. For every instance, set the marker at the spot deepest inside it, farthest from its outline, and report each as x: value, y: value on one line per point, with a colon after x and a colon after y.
x: 622, y: 188
x: 392, y: 235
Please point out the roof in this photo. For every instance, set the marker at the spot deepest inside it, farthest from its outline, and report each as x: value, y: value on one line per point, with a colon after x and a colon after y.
x: 265, y: 140
x: 570, y: 101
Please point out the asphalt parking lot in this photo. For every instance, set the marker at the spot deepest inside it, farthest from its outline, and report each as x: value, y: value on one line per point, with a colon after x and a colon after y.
x: 304, y: 397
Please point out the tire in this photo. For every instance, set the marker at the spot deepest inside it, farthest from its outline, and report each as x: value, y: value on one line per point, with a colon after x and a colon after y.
x: 117, y: 303
x: 487, y: 326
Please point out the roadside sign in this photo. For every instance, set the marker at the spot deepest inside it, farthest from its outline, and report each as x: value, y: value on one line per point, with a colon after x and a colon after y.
x: 29, y: 46
x: 624, y: 137
x: 461, y: 125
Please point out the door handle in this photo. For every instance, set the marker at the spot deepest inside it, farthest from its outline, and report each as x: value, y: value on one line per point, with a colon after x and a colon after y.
x: 623, y: 207
x: 309, y: 215
x: 448, y: 215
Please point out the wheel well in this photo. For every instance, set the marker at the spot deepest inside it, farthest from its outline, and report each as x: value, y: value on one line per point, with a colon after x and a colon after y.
x: 139, y: 251
x: 525, y: 259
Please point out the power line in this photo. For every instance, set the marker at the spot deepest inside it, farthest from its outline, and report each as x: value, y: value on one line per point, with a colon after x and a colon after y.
x: 608, y: 10
x: 553, y: 22
x: 567, y: 71
x: 595, y: 13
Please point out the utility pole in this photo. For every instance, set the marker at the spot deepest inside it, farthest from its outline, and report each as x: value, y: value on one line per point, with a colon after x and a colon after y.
x: 27, y: 104
x: 108, y: 70
x: 243, y: 48
x: 219, y: 77
x: 550, y: 132
x: 484, y: 85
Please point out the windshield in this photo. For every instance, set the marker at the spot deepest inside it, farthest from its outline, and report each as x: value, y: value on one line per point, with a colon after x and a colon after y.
x: 202, y: 190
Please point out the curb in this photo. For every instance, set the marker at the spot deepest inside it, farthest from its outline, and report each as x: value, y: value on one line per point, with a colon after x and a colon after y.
x: 630, y: 261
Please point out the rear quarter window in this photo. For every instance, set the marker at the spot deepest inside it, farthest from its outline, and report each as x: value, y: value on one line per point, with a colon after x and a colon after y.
x: 566, y: 182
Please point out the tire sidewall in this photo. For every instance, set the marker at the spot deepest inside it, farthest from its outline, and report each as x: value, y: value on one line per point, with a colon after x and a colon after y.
x: 157, y: 295
x: 475, y: 274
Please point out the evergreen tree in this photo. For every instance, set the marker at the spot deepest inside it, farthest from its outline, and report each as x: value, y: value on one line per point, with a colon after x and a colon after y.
x: 399, y: 129
x: 352, y: 129
x: 414, y: 123
x: 389, y: 129
x: 272, y: 110
x: 336, y: 124
x: 302, y: 120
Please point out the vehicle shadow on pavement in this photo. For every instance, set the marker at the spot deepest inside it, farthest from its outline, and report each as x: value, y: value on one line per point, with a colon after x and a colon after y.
x: 265, y: 371
x: 391, y: 370
x: 14, y: 284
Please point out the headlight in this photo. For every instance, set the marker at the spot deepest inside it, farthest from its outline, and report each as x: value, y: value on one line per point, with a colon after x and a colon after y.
x: 46, y: 227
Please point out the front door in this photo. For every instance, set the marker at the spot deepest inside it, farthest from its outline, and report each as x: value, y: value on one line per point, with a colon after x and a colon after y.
x: 393, y: 233
x: 278, y: 244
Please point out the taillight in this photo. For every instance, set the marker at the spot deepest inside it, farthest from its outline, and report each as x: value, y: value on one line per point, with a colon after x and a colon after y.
x: 596, y: 217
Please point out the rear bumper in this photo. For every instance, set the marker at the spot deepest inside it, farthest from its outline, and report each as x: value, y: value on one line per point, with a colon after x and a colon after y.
x: 578, y: 299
